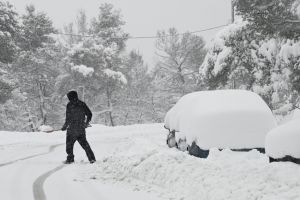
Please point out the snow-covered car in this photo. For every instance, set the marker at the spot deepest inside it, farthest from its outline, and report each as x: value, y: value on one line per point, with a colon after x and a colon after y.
x: 282, y: 143
x: 233, y: 119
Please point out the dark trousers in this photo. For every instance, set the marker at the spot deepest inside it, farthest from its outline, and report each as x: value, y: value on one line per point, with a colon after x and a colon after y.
x: 81, y: 138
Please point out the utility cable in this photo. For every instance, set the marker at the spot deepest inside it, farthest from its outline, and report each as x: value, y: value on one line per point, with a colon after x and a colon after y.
x: 142, y: 37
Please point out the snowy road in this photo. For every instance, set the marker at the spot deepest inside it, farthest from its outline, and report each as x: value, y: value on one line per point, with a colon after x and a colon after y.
x: 18, y: 175
x: 133, y: 162
x: 31, y: 168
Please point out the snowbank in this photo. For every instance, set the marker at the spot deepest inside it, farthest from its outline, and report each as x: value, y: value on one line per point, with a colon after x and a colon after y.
x: 284, y: 140
x: 224, y: 119
x: 45, y: 128
x: 225, y: 175
x: 145, y: 163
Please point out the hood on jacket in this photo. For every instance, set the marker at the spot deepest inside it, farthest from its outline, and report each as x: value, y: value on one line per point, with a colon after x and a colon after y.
x: 72, y: 96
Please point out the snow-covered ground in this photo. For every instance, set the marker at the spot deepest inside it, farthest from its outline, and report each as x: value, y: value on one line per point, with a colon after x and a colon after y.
x: 133, y: 162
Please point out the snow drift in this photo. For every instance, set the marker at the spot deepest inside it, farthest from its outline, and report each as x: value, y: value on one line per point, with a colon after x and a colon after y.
x: 235, y: 119
x: 142, y: 161
x: 46, y: 128
x: 284, y: 140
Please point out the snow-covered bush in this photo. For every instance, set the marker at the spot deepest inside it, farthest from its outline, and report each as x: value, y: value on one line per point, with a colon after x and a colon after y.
x: 84, y: 70
x: 225, y: 62
x: 239, y: 58
x: 235, y: 119
x: 284, y: 140
x: 115, y: 75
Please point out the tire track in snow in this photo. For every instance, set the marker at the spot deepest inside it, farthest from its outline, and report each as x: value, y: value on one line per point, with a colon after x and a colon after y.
x: 11, y: 144
x: 51, y: 148
x: 38, y: 185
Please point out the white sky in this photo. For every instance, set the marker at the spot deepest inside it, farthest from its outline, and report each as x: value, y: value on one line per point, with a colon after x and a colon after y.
x: 142, y: 17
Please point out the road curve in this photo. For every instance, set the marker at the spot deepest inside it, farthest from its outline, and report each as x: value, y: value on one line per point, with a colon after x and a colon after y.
x: 38, y: 185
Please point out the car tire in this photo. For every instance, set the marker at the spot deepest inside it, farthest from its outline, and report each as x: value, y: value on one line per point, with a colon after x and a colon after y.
x: 196, y: 151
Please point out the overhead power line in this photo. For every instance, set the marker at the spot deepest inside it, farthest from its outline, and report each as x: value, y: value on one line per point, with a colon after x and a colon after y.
x: 143, y: 37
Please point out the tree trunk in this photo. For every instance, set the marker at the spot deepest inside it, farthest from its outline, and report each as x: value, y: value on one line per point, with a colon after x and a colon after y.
x: 83, y: 93
x: 6, y: 115
x: 181, y: 77
x: 125, y: 118
x: 30, y: 122
x: 42, y: 103
x: 153, y: 106
x: 111, y: 119
x: 109, y: 104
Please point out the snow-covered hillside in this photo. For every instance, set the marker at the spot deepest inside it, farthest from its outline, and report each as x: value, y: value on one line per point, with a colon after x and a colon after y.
x: 133, y: 162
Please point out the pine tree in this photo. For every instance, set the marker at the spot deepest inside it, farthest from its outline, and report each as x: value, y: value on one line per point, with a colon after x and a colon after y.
x: 270, y: 17
x: 101, y: 54
x: 36, y: 66
x: 36, y: 29
x: 134, y: 101
x: 8, y: 32
x: 179, y: 58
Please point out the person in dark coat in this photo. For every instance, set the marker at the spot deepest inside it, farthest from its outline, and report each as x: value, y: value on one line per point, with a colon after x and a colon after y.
x: 78, y: 117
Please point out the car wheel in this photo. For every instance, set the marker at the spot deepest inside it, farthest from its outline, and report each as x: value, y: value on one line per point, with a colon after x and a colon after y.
x: 195, y: 150
x: 271, y: 159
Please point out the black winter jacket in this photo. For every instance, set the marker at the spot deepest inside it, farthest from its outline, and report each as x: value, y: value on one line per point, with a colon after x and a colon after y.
x: 78, y: 116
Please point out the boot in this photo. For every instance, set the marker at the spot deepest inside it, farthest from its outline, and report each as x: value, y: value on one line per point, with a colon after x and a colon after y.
x: 68, y: 161
x: 92, y: 161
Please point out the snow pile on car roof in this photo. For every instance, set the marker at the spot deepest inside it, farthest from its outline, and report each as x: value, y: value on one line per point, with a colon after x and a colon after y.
x: 173, y: 115
x: 284, y: 140
x: 222, y: 118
